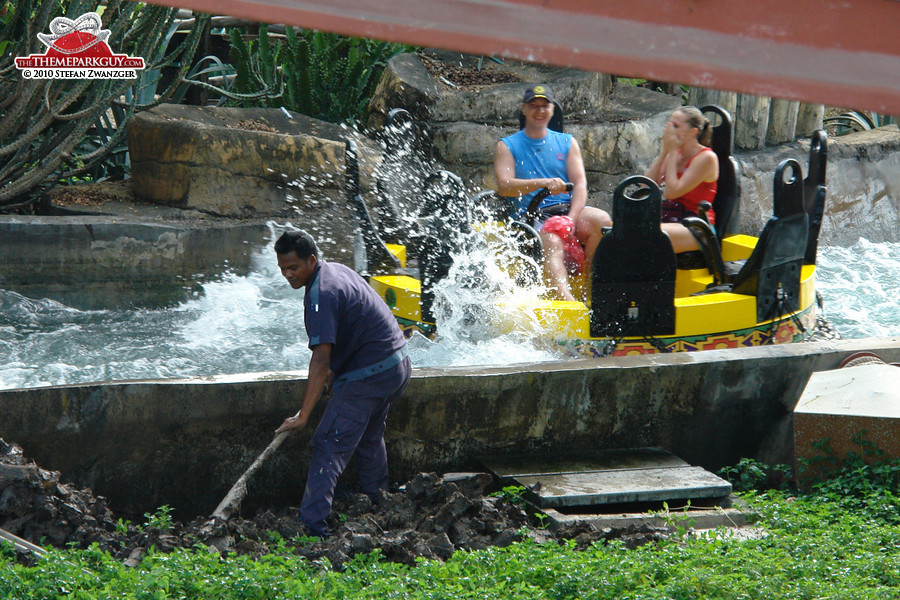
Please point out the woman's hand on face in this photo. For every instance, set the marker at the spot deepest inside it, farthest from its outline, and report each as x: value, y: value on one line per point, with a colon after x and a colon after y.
x: 670, y: 141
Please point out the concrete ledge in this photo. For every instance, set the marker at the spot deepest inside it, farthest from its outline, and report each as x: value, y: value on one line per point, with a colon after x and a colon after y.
x: 855, y: 409
x: 103, y: 261
x: 185, y: 442
x: 689, y: 518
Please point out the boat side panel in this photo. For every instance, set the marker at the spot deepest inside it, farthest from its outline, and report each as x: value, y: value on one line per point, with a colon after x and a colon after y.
x: 738, y: 247
x: 402, y: 294
x: 398, y: 250
x: 723, y: 311
x: 780, y: 331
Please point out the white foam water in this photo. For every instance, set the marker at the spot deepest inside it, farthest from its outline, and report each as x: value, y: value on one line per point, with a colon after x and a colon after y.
x: 860, y: 286
x: 254, y: 323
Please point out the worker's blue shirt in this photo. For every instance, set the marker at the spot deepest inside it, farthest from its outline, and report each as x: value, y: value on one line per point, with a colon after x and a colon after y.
x: 342, y: 309
x: 538, y: 159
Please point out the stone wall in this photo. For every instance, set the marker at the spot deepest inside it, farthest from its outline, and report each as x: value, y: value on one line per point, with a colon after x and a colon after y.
x: 240, y: 162
x: 619, y: 128
x: 614, y: 125
x: 107, y: 261
x: 262, y: 162
x: 863, y: 179
x: 251, y: 163
x: 185, y: 442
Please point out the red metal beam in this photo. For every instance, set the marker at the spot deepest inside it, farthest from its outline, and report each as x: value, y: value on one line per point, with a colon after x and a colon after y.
x: 839, y: 53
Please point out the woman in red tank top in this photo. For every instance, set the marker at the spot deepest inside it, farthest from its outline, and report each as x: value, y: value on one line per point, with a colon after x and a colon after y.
x: 688, y: 168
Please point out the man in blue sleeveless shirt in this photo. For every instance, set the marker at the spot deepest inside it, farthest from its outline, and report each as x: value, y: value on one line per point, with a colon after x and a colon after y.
x: 358, y: 348
x: 537, y: 157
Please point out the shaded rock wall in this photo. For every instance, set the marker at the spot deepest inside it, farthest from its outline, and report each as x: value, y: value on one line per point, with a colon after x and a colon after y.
x: 185, y: 442
x: 863, y: 179
x: 461, y: 127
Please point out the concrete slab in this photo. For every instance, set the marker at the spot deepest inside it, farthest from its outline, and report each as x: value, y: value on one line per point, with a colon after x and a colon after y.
x: 734, y: 515
x: 616, y: 476
x: 625, y: 485
x: 871, y: 390
x: 630, y: 458
x: 849, y: 409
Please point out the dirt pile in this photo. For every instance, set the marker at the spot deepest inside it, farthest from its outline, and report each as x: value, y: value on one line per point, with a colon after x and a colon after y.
x: 464, y: 74
x: 431, y: 516
x: 35, y: 505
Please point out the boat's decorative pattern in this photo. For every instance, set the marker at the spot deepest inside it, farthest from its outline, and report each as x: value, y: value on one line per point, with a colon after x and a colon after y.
x: 409, y: 327
x: 780, y: 331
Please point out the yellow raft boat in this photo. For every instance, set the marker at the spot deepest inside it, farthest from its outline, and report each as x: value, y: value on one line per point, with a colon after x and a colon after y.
x: 738, y: 290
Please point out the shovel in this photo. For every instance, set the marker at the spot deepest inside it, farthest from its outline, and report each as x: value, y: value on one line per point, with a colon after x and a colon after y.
x: 235, y: 496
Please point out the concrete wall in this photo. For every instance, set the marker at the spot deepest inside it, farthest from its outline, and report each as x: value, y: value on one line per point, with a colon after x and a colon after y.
x: 105, y: 261
x: 183, y: 443
x: 863, y: 179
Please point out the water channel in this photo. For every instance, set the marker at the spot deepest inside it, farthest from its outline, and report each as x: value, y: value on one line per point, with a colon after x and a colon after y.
x: 254, y: 323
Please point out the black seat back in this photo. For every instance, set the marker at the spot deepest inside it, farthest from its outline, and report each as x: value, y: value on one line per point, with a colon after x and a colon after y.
x: 772, y: 273
x: 557, y: 121
x: 727, y: 203
x: 375, y: 258
x: 814, y: 191
x: 446, y: 218
x: 633, y: 271
x: 400, y: 171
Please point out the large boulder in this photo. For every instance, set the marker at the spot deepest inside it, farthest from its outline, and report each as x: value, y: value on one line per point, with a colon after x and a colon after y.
x: 414, y: 81
x: 863, y: 180
x: 617, y: 126
x: 242, y: 162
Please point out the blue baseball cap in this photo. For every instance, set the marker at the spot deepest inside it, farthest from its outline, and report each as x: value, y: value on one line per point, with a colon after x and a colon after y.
x: 539, y: 90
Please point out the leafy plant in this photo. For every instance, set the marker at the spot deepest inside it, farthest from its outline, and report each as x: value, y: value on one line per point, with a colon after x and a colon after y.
x: 161, y: 519
x: 746, y: 475
x: 749, y: 474
x: 514, y: 494
x: 322, y: 75
x: 57, y: 130
x: 122, y: 526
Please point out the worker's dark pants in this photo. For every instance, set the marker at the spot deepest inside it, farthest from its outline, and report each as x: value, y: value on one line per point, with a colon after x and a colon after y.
x: 353, y: 425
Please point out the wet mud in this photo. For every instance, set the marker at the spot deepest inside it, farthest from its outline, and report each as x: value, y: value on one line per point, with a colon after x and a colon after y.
x: 430, y: 516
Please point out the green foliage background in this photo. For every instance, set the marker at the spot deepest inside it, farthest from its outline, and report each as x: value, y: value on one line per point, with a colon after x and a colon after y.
x: 841, y: 541
x: 322, y: 75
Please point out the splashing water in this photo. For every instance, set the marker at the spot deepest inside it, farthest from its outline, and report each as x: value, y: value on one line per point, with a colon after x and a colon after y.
x: 475, y: 296
x: 861, y: 285
x: 254, y: 323
x: 239, y: 324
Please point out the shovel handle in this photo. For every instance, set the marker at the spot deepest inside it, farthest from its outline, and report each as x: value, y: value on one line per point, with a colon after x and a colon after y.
x: 237, y: 492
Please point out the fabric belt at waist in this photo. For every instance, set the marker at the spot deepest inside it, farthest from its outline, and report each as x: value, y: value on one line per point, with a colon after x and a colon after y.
x: 560, y: 208
x: 379, y: 367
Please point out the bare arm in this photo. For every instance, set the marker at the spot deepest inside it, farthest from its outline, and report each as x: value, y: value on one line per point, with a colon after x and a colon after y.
x: 704, y: 167
x: 510, y: 186
x: 575, y: 173
x: 656, y: 170
x: 319, y: 376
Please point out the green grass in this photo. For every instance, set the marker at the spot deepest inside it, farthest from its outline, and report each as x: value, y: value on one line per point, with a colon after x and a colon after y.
x: 840, y: 541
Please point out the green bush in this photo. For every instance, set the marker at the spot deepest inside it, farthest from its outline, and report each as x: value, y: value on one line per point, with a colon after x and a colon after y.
x: 749, y: 474
x: 322, y: 75
x: 818, y: 546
